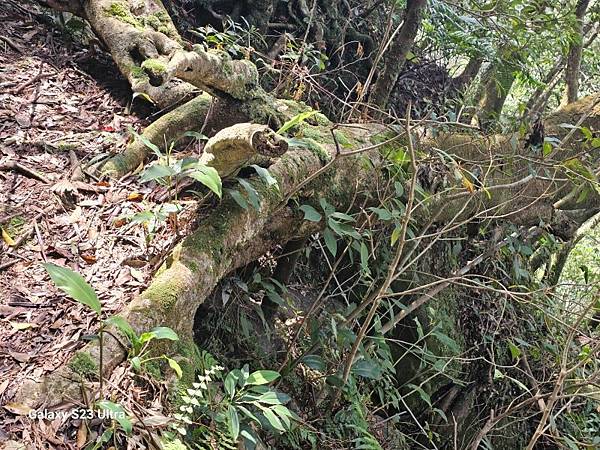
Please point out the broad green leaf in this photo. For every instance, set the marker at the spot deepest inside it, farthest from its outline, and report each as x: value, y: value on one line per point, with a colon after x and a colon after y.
x: 587, y: 133
x: 230, y: 382
x: 396, y: 235
x: 382, y: 214
x: 146, y: 142
x: 73, y: 285
x: 158, y: 333
x: 343, y: 229
x: 233, y: 421
x: 122, y: 325
x: 196, y: 135
x: 117, y: 413
x: 239, y: 198
x: 330, y: 241
x: 334, y: 380
x: 175, y: 366
x: 252, y: 194
x: 143, y: 217
x: 270, y: 398
x: 244, y: 374
x: 248, y: 413
x: 136, y: 362
x: 262, y: 377
x: 364, y: 256
x: 266, y: 176
x: 310, y: 213
x: 283, y: 413
x: 424, y: 395
x: 164, y: 333
x: 447, y: 341
x: 342, y: 216
x: 547, y: 148
x: 515, y: 352
x: 209, y: 177
x: 366, y: 369
x: 315, y: 362
x: 272, y: 418
x: 399, y: 187
x: 156, y: 172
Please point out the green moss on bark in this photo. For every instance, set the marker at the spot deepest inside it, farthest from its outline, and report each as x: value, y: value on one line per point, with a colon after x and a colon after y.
x: 121, y: 11
x: 138, y: 73
x: 190, y: 360
x: 317, y: 149
x: 84, y: 364
x: 154, y: 66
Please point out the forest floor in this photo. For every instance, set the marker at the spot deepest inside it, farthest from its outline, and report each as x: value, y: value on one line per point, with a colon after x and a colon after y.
x: 61, y: 108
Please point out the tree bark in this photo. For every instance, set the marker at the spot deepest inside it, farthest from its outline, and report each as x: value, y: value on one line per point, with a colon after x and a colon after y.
x: 574, y: 57
x: 468, y: 74
x: 395, y: 57
x: 495, y: 88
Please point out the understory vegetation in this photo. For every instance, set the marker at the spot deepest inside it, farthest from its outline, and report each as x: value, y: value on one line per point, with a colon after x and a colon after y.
x: 300, y: 224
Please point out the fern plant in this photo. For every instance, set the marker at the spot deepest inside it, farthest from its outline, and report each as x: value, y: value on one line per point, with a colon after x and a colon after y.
x: 219, y: 410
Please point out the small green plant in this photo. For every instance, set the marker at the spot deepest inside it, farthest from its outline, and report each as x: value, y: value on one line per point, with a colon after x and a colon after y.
x: 169, y: 171
x: 225, y: 409
x: 75, y: 286
x: 152, y: 218
x: 235, y: 38
x: 252, y: 196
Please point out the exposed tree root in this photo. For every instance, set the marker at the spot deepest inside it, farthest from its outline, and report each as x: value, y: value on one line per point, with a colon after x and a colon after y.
x: 202, y: 113
x: 188, y: 117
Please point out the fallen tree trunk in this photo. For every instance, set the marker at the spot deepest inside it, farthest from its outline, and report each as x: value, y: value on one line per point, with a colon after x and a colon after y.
x: 231, y: 237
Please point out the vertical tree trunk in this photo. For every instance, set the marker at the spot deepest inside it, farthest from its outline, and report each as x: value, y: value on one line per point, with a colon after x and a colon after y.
x: 261, y: 12
x: 468, y: 74
x: 395, y: 57
x: 495, y: 87
x: 574, y: 56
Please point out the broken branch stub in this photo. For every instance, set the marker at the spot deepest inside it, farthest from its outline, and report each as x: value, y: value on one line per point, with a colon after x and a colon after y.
x: 234, y: 147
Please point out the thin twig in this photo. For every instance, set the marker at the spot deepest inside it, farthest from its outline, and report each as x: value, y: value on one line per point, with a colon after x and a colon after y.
x: 23, y: 170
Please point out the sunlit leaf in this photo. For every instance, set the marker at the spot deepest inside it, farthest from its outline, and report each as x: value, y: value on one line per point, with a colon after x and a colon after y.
x: 73, y: 285
x: 296, y: 120
x: 175, y: 366
x: 262, y: 377
x: 7, y: 238
x: 233, y: 421
x: 209, y: 177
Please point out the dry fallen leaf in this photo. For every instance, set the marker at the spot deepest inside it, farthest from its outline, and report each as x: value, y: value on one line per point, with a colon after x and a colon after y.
x: 9, y: 241
x: 138, y: 275
x: 21, y: 357
x: 90, y: 259
x: 81, y: 435
x: 156, y: 421
x: 118, y: 223
x: 135, y: 197
x: 468, y: 185
x: 3, y: 386
x: 22, y: 325
x: 17, y: 408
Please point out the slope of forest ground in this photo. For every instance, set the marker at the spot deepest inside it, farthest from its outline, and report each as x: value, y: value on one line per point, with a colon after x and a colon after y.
x: 58, y: 101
